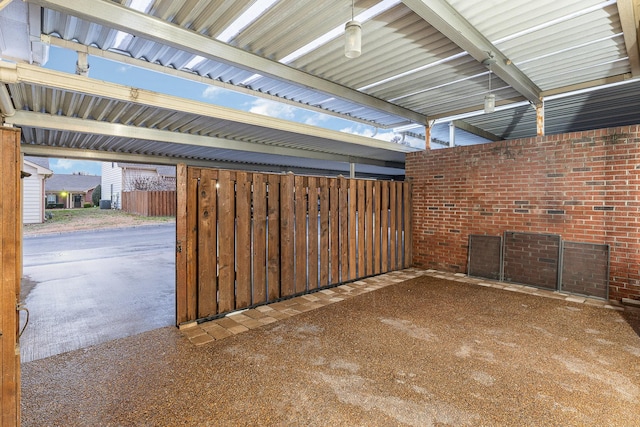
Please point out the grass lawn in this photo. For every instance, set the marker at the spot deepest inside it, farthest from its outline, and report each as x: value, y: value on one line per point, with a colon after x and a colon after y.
x: 64, y: 220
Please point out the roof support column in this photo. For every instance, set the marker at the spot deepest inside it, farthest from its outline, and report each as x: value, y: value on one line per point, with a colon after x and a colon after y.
x: 82, y: 64
x: 452, y: 134
x: 540, y: 119
x: 352, y: 170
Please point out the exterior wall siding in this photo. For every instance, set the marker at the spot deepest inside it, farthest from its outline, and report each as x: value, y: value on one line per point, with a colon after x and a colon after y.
x: 584, y: 186
x: 111, y: 183
x: 32, y: 197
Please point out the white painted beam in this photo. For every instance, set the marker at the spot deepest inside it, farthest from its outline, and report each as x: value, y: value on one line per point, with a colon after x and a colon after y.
x: 113, y: 15
x: 629, y: 20
x: 24, y: 73
x: 444, y: 18
x: 119, y: 57
x: 93, y: 127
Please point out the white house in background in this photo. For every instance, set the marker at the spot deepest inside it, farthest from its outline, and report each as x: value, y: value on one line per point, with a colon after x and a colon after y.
x: 118, y: 177
x: 33, y: 195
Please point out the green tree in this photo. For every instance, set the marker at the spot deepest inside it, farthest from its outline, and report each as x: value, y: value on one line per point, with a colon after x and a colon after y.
x: 97, y: 194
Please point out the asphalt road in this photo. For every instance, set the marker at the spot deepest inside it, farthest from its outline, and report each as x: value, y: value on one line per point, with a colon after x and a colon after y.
x: 85, y: 288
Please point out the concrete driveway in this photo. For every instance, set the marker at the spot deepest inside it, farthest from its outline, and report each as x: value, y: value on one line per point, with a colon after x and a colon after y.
x: 422, y: 352
x: 84, y: 288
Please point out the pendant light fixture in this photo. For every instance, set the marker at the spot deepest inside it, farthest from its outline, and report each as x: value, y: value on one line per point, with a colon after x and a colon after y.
x: 489, y: 99
x: 352, y: 37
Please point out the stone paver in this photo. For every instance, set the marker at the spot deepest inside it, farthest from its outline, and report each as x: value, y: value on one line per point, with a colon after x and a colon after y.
x: 236, y: 323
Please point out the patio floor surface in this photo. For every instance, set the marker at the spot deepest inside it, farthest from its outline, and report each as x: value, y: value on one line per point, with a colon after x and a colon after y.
x: 414, y: 347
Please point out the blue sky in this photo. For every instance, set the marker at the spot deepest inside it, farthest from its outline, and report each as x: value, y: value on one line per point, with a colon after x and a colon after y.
x: 102, y: 69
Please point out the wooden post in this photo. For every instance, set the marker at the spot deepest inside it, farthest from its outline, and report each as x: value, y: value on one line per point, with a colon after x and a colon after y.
x: 11, y: 270
x: 540, y: 118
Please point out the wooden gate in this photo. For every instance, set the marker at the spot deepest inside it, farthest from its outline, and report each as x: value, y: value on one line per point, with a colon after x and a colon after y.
x: 247, y: 239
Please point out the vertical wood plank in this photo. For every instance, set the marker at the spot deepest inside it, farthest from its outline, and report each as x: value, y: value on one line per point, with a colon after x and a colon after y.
x: 334, y: 235
x: 273, y: 238
x: 259, y: 238
x: 369, y: 228
x: 324, y: 232
x: 407, y: 209
x: 399, y: 225
x: 207, y: 254
x: 226, y: 231
x: 353, y: 227
x: 184, y: 186
x: 377, y: 231
x: 344, y: 228
x: 300, y: 258
x: 393, y: 215
x: 312, y: 191
x: 287, y: 235
x: 361, y: 219
x: 384, y: 256
x: 10, y: 263
x: 243, y: 240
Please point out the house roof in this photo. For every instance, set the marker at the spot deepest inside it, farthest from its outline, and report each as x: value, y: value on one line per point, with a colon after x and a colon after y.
x: 40, y: 161
x: 71, y: 183
x: 40, y: 165
x: 422, y: 62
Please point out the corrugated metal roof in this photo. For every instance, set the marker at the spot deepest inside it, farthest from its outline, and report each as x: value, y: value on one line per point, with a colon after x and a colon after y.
x: 420, y: 59
x: 182, y: 135
x: 555, y: 43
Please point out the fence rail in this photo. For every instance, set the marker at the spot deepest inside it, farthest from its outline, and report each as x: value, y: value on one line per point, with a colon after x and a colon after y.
x: 149, y: 203
x: 254, y: 238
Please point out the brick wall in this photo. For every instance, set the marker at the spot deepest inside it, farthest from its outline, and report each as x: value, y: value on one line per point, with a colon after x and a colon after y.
x: 583, y: 186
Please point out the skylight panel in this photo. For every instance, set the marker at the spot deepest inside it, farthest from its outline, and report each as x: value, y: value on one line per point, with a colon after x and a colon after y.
x: 339, y: 30
x: 244, y: 20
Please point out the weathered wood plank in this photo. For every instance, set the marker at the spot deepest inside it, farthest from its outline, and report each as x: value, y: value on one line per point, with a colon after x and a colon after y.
x: 369, y: 228
x: 353, y: 227
x: 393, y: 216
x: 377, y: 230
x: 324, y: 232
x: 259, y: 238
x: 273, y: 243
x: 361, y: 233
x: 243, y: 240
x: 10, y: 270
x: 384, y: 256
x: 399, y: 225
x: 344, y: 228
x: 184, y: 186
x: 407, y: 208
x: 334, y: 224
x: 226, y: 231
x: 207, y: 241
x: 312, y: 191
x: 287, y: 235
x: 300, y: 258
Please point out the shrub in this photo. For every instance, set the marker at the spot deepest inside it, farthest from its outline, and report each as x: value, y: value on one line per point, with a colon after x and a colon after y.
x: 96, y: 195
x: 88, y: 205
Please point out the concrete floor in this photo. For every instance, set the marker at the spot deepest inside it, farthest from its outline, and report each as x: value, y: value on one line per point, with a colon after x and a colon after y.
x: 421, y: 352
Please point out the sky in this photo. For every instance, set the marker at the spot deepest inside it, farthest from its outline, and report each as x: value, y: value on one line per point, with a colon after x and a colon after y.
x: 115, y: 72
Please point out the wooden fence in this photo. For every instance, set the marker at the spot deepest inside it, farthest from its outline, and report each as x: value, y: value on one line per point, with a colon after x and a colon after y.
x: 246, y: 239
x: 149, y: 203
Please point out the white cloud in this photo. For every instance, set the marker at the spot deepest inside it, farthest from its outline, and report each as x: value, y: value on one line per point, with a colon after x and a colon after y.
x: 272, y: 109
x: 386, y: 135
x: 317, y: 119
x: 211, y: 92
x: 64, y: 164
